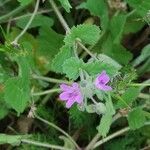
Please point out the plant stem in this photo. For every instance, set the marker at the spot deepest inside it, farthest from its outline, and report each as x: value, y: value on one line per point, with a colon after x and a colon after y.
x: 139, y: 84
x: 12, y: 13
x: 111, y: 136
x: 59, y: 129
x: 2, y: 4
x: 46, y: 92
x: 83, y: 47
x: 30, y: 14
x: 66, y: 27
x: 97, y: 136
x: 122, y: 131
x: 52, y: 80
x: 26, y: 141
x: 59, y: 15
x: 15, y: 42
x: 144, y: 96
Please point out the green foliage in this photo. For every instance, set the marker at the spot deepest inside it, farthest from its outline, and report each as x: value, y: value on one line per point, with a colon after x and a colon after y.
x: 71, y: 67
x: 88, y: 34
x: 64, y: 54
x: 99, y: 8
x: 10, y: 139
x: 49, y: 43
x: 136, y: 118
x: 38, y: 21
x: 141, y: 7
x: 79, y: 118
x: 104, y: 125
x: 106, y: 120
x: 116, y: 51
x: 117, y: 26
x: 128, y: 97
x: 4, y: 109
x: 66, y: 5
x: 19, y: 96
x: 145, y: 54
x: 25, y: 2
x: 94, y: 68
x: 46, y: 47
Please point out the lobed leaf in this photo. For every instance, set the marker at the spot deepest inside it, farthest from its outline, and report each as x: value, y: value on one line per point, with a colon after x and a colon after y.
x: 71, y: 68
x: 88, y: 34
x: 64, y: 54
x: 136, y: 118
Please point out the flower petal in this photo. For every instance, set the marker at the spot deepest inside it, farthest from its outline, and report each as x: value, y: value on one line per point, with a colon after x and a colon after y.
x: 79, y: 98
x: 75, y: 85
x: 104, y: 87
x: 103, y: 77
x: 65, y: 87
x: 64, y: 96
x: 69, y: 103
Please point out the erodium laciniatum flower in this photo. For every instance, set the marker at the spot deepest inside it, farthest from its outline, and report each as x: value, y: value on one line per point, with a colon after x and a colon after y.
x: 101, y: 82
x: 71, y: 94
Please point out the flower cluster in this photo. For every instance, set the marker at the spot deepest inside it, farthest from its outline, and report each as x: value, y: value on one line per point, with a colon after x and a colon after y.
x: 72, y: 94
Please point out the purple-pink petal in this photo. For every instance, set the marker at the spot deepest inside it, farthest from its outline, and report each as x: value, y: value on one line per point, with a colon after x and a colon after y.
x: 103, y: 78
x: 101, y: 82
x: 104, y: 87
x: 75, y: 85
x: 64, y: 96
x: 69, y: 103
x: 65, y: 87
x: 79, y: 99
x: 71, y: 94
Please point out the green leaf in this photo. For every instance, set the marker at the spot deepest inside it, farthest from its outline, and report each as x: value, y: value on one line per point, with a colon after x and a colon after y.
x: 116, y: 51
x: 116, y: 27
x: 79, y: 118
x: 145, y: 54
x: 66, y: 5
x: 133, y: 24
x: 136, y: 118
x: 88, y: 34
x: 17, y: 93
x: 4, y: 109
x: 109, y: 106
x: 64, y: 54
x: 108, y: 60
x: 105, y: 124
x: 97, y: 67
x: 24, y: 2
x: 71, y: 67
x: 38, y: 21
x: 49, y: 44
x: 14, y: 140
x: 99, y: 8
x: 128, y: 97
x: 141, y: 6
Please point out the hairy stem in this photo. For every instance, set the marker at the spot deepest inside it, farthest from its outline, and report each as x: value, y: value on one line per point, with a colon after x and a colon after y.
x: 15, y: 42
x: 12, y: 13
x: 97, y: 136
x: 52, y: 80
x: 60, y: 17
x: 139, y: 84
x: 111, y: 136
x: 122, y: 131
x: 39, y: 144
x: 59, y: 129
x: 46, y: 92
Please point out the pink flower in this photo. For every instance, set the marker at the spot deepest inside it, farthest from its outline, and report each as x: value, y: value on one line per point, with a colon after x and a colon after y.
x: 101, y: 82
x: 71, y: 94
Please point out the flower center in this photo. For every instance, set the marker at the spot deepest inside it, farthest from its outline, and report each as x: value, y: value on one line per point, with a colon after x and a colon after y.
x: 101, y: 82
